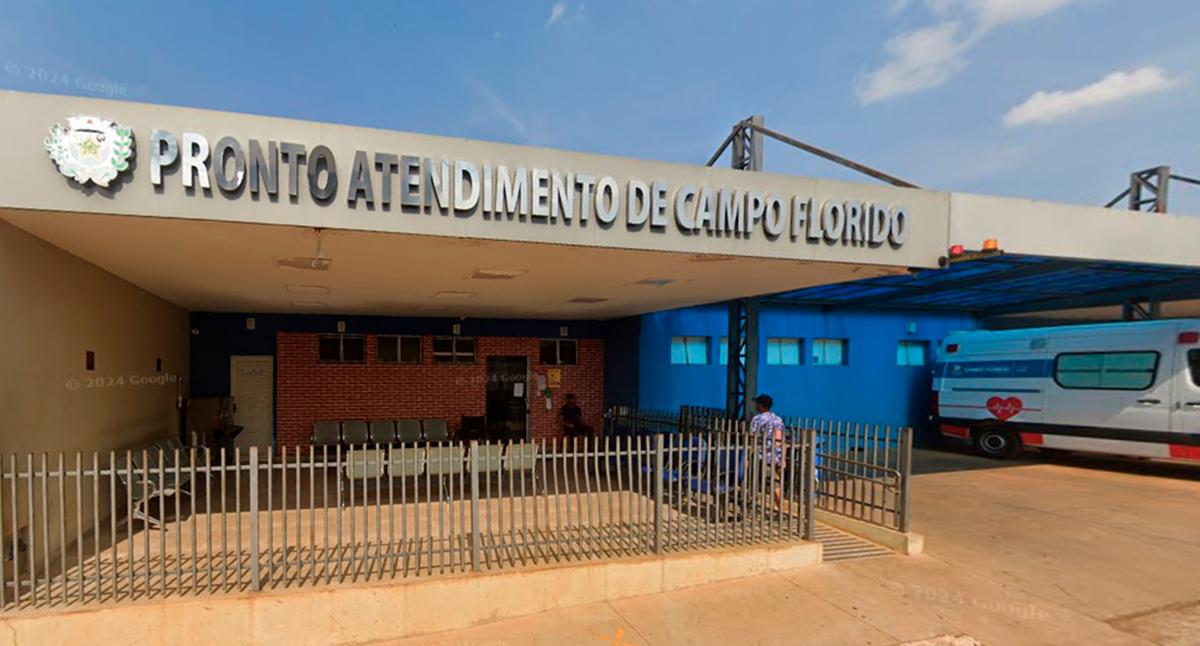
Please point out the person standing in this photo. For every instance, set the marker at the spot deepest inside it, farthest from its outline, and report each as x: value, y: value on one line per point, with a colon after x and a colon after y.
x: 572, y: 419
x: 767, y: 428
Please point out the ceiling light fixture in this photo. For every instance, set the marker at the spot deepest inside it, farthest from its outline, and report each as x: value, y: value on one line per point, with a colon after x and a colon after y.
x: 587, y: 300
x: 307, y: 289
x: 496, y: 274
x: 655, y: 282
x: 453, y: 295
x: 312, y: 305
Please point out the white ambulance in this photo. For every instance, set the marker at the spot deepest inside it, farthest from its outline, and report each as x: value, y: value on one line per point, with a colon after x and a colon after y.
x: 1123, y: 388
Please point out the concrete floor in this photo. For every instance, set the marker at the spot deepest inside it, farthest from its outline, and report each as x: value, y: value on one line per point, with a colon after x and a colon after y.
x: 1042, y: 550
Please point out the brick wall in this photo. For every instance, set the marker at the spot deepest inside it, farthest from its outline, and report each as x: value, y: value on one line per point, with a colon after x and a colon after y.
x: 307, y: 391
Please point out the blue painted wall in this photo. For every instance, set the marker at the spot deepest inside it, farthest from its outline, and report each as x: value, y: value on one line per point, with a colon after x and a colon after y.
x: 870, y: 388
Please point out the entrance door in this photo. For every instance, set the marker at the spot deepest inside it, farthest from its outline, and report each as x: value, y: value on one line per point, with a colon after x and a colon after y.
x: 252, y: 385
x: 1185, y: 418
x: 508, y: 397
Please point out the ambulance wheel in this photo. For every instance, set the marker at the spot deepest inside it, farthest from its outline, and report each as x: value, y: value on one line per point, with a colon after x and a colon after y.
x: 996, y: 442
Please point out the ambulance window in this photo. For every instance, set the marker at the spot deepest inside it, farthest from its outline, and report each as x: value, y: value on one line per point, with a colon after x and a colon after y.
x: 1193, y: 358
x: 1106, y: 370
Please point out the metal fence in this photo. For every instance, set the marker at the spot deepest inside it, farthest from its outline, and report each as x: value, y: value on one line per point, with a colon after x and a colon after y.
x: 862, y: 470
x: 168, y: 520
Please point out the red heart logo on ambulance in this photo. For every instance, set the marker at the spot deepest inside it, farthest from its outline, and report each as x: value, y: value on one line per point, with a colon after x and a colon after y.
x: 1005, y: 407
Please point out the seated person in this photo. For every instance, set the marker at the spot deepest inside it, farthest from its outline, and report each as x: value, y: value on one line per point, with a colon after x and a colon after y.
x: 572, y: 419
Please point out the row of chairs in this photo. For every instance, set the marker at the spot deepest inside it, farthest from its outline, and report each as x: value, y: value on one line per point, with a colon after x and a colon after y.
x: 152, y: 471
x: 385, y: 431
x: 437, y: 460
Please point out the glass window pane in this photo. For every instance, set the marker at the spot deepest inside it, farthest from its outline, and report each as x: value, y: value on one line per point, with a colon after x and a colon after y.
x: 410, y: 349
x: 697, y: 349
x: 1127, y: 380
x: 1079, y: 379
x: 1193, y: 360
x: 568, y: 352
x: 1129, y: 361
x: 387, y: 349
x: 549, y: 352
x: 789, y: 352
x: 911, y: 353
x: 443, y: 349
x: 329, y: 348
x: 829, y: 352
x: 773, y: 352
x: 464, y: 349
x: 1106, y: 370
x: 678, y: 350
x: 354, y: 348
x: 724, y: 352
x: 1092, y: 361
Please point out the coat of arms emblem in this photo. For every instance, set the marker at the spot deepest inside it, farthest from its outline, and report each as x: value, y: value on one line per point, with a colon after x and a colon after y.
x: 90, y: 149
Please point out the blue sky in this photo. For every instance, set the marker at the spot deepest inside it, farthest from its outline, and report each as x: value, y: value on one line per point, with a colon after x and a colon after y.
x: 1049, y: 99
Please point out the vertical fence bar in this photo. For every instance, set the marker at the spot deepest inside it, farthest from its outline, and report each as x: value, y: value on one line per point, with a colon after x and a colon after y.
x: 8, y: 551
x: 473, y: 466
x: 905, y: 476
x: 810, y: 481
x: 255, y: 556
x: 658, y: 493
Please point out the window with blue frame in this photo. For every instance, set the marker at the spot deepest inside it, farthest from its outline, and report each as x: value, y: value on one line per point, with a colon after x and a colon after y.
x: 829, y: 352
x: 689, y: 350
x: 723, y: 353
x: 912, y: 353
x: 783, y: 351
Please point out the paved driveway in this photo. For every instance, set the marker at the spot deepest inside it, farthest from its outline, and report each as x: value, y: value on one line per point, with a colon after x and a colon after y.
x: 1042, y: 550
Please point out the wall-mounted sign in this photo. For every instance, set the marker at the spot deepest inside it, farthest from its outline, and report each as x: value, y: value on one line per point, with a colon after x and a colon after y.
x: 93, y: 149
x: 554, y: 377
x: 90, y: 149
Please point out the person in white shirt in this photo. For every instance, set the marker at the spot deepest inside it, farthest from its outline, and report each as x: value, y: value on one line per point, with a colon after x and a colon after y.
x: 767, y: 427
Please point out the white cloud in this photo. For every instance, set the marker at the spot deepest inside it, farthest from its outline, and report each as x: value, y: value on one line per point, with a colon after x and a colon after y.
x: 556, y: 13
x: 921, y: 59
x: 501, y: 111
x: 559, y: 14
x: 1046, y: 107
x: 929, y: 56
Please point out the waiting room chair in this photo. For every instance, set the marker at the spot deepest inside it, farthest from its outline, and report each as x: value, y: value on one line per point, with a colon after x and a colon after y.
x: 362, y: 465
x: 435, y: 430
x: 445, y: 460
x: 408, y: 431
x: 406, y: 461
x: 326, y: 433
x: 355, y: 432
x: 489, y: 457
x: 521, y: 457
x: 382, y: 431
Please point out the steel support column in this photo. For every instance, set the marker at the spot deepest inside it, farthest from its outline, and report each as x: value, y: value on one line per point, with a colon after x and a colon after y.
x: 741, y: 373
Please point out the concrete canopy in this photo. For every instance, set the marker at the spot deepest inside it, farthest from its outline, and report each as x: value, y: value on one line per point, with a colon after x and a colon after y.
x: 408, y: 219
x: 223, y: 266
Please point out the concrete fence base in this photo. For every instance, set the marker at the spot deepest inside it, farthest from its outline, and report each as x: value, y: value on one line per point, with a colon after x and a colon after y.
x: 348, y: 614
x: 909, y: 543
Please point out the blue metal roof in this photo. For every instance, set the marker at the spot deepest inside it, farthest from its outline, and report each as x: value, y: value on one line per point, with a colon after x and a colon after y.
x: 1007, y: 284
